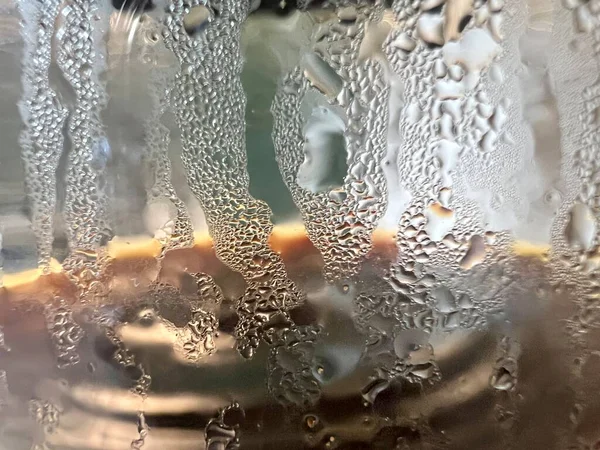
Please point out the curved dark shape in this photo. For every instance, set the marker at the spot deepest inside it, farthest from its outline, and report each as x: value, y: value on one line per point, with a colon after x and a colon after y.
x: 133, y: 5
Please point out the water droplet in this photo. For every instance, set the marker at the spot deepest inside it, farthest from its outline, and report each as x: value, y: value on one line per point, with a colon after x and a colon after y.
x: 321, y: 75
x: 143, y: 430
x: 475, y: 253
x: 324, y: 167
x: 196, y: 19
x: 222, y: 436
x: 502, y: 379
x: 370, y: 392
x: 581, y: 228
x: 312, y: 423
x: 440, y: 221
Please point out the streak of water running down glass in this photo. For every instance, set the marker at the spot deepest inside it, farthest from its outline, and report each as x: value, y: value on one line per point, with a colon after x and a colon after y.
x: 353, y: 224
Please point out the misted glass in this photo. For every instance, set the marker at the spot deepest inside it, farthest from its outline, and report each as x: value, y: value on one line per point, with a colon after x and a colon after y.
x: 346, y: 224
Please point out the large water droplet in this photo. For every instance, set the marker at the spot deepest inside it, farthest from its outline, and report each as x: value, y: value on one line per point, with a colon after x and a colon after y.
x: 581, y: 228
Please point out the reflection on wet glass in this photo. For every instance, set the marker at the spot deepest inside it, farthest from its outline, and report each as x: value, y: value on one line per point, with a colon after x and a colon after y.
x: 333, y: 225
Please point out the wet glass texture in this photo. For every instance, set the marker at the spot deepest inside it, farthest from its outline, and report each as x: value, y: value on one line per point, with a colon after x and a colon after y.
x: 346, y: 224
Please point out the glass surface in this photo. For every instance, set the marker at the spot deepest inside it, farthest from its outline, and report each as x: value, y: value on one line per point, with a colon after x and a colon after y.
x: 315, y: 225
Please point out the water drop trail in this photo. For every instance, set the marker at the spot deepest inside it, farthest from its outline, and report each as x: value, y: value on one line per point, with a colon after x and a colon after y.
x: 157, y: 137
x: 80, y: 56
x: 143, y: 431
x: 339, y: 220
x: 64, y: 332
x: 43, y: 115
x: 209, y: 104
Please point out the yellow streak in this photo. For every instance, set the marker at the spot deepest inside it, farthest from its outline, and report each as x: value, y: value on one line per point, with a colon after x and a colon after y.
x: 139, y: 246
x: 530, y: 250
x: 133, y: 247
x: 18, y: 279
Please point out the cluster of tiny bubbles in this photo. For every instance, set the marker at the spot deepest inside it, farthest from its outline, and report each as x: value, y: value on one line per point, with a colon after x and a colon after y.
x: 43, y: 115
x: 80, y: 57
x: 291, y: 366
x: 196, y: 338
x: 65, y: 332
x: 445, y: 112
x: 446, y: 104
x: 339, y: 219
x: 220, y: 433
x: 3, y: 345
x: 414, y: 296
x: 178, y: 231
x: 88, y: 270
x: 435, y: 236
x: 414, y: 301
x: 108, y: 321
x: 209, y: 106
x: 396, y: 325
x: 46, y: 414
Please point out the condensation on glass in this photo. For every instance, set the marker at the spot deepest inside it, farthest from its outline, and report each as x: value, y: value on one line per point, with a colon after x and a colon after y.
x: 234, y: 224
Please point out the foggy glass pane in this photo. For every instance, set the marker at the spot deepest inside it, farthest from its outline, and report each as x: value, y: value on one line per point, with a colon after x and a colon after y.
x: 234, y: 224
